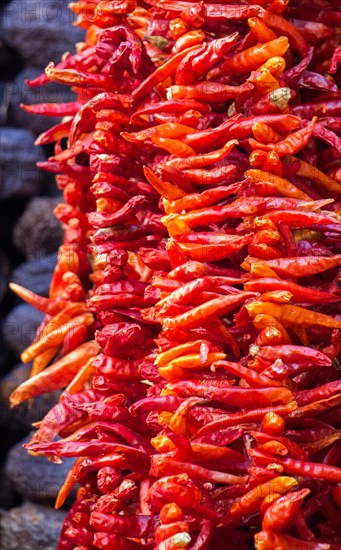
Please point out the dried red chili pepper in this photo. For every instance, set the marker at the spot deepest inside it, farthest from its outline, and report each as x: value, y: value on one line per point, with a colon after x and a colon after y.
x: 309, y: 469
x: 251, y: 500
x: 209, y: 92
x: 300, y: 293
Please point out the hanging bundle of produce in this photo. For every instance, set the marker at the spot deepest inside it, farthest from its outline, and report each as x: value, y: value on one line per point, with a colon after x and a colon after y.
x: 193, y: 321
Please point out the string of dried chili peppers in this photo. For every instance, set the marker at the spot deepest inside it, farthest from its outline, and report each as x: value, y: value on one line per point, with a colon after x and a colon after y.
x: 193, y: 320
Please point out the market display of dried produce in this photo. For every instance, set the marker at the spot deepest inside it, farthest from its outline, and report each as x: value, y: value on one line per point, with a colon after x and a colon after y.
x: 193, y: 320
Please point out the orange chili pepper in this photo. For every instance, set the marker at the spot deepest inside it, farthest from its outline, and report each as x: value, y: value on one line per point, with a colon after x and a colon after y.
x: 164, y: 532
x: 250, y: 59
x: 179, y: 421
x: 190, y: 38
x: 298, y: 267
x: 205, y: 452
x: 194, y: 361
x: 67, y: 314
x: 273, y: 165
x: 177, y: 351
x: 46, y: 305
x: 122, y: 7
x: 312, y: 172
x: 260, y: 31
x: 257, y: 157
x: 197, y: 200
x: 208, y: 311
x: 272, y: 424
x: 279, y: 296
x: 170, y: 513
x: 269, y: 336
x: 162, y: 443
x: 265, y: 322
x: 292, y: 143
x: 264, y: 133
x: 281, y: 26
x: 208, y: 92
x: 108, y: 205
x: 251, y: 501
x: 268, y: 501
x: 173, y: 373
x: 275, y: 65
x: 42, y: 360
x: 83, y: 376
x: 284, y: 186
x: 52, y: 338
x: 56, y: 376
x: 290, y: 315
x: 274, y: 447
x: 173, y: 146
x: 165, y: 189
x: 168, y: 129
x: 178, y: 27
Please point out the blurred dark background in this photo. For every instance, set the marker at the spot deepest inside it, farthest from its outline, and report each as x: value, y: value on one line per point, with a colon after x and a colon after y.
x: 32, y: 33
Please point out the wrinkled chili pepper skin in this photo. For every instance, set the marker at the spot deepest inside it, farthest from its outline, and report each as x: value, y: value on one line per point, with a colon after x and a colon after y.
x: 193, y: 320
x: 284, y: 509
x: 300, y: 294
x: 252, y: 58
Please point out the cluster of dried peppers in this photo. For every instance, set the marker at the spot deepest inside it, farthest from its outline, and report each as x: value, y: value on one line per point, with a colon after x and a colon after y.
x: 193, y: 314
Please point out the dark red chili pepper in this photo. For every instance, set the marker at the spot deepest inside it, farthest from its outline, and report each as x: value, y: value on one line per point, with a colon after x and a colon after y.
x: 212, y: 54
x: 185, y: 66
x: 304, y: 397
x: 108, y: 478
x: 107, y: 219
x: 328, y: 108
x: 292, y: 354
x: 221, y: 391
x: 129, y: 526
